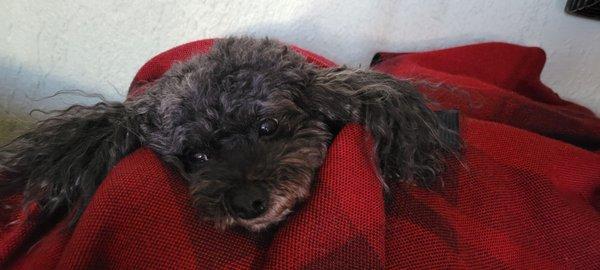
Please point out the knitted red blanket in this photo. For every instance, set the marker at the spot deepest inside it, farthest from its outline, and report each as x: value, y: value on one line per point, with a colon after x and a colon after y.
x: 526, y: 193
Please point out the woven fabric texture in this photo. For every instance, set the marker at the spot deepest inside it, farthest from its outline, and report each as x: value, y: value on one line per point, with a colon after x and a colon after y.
x: 524, y: 194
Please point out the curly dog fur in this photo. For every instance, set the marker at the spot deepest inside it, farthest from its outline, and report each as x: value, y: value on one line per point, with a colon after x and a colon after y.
x: 246, y: 125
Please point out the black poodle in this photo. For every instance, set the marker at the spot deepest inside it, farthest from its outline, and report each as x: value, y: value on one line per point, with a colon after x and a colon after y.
x: 246, y: 125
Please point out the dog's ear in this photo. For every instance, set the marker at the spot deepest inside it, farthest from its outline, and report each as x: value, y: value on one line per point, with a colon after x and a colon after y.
x: 406, y: 133
x: 60, y: 163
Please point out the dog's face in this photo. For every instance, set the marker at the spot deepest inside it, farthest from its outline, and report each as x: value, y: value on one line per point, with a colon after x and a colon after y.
x: 248, y: 126
x: 237, y: 129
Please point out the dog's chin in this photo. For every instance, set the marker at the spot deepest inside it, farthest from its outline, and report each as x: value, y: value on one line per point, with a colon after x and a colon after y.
x: 262, y: 223
x: 256, y: 224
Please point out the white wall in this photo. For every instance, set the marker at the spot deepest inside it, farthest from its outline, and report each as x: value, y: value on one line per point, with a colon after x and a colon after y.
x: 97, y: 46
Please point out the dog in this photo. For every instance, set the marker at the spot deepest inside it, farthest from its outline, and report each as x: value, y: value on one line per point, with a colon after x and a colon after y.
x: 246, y: 125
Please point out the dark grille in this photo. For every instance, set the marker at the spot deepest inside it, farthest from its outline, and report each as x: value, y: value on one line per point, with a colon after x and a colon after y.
x: 586, y: 8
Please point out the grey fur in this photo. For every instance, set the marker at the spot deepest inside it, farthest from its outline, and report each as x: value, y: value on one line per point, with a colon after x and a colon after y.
x: 213, y: 104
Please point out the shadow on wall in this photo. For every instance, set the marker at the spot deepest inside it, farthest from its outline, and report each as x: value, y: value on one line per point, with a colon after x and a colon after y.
x: 347, y: 33
x: 17, y: 108
x: 354, y: 33
x: 20, y: 86
x: 330, y: 42
x: 22, y: 90
x: 11, y: 126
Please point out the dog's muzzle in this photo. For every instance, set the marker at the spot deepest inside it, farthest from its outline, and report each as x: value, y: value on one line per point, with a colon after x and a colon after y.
x: 248, y: 202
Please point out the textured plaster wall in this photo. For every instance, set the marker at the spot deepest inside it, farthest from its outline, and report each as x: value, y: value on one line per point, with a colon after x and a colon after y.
x: 97, y: 46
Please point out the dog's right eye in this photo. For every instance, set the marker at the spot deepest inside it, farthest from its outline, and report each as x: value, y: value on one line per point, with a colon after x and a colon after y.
x: 267, y: 127
x: 194, y: 161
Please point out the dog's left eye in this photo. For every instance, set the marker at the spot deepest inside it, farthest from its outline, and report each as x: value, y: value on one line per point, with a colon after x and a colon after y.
x: 267, y: 127
x: 200, y: 157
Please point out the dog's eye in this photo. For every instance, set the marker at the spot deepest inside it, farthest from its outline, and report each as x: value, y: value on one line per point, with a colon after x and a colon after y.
x: 267, y: 127
x: 200, y: 157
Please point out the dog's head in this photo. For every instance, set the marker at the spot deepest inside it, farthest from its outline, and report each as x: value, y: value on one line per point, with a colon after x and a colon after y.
x: 237, y: 126
x: 248, y: 125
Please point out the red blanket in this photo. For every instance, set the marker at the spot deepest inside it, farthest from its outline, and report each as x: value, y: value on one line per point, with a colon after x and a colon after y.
x: 526, y: 193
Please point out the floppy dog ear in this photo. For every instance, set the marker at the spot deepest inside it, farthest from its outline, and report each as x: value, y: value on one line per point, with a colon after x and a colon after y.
x: 406, y: 133
x: 60, y: 163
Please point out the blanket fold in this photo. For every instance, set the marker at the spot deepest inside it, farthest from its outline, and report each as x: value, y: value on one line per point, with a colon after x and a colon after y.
x: 524, y: 194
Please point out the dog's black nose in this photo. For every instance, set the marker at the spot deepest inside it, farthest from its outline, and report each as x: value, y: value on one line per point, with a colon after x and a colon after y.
x: 248, y: 202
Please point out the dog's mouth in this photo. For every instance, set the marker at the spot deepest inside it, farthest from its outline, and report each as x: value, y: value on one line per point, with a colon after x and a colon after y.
x: 283, y: 199
x: 267, y: 220
x: 254, y: 205
x: 278, y: 208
